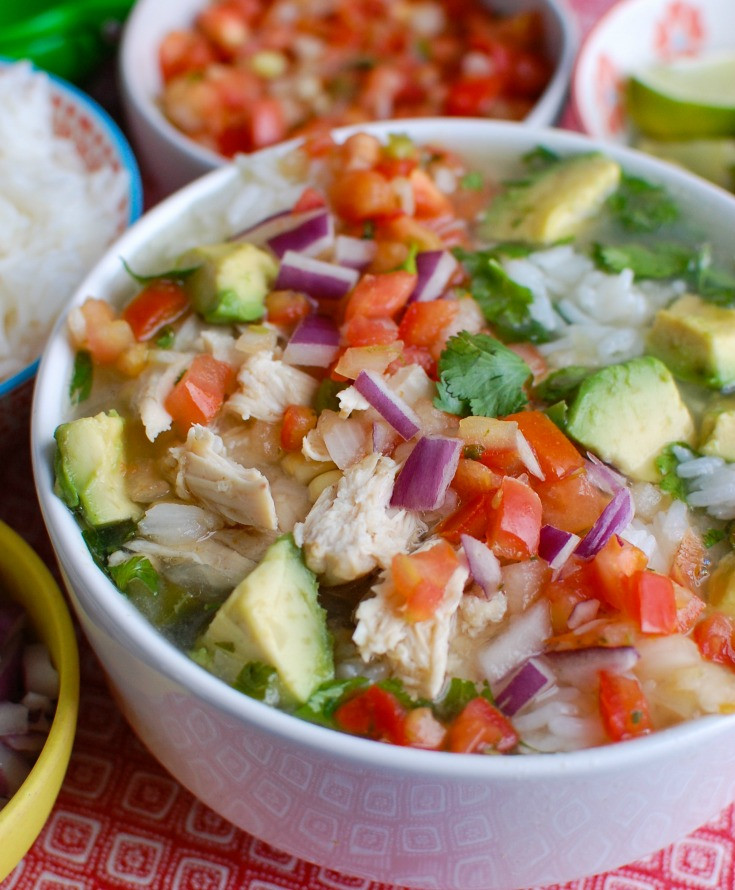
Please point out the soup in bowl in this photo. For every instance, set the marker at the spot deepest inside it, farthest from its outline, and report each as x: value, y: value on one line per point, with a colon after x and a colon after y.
x: 369, y: 457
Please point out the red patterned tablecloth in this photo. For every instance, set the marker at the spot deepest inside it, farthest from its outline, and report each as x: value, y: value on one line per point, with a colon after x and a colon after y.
x: 121, y: 821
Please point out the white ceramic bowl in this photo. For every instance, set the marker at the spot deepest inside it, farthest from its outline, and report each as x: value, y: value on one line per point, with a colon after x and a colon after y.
x: 171, y: 159
x: 99, y: 142
x: 633, y: 35
x: 396, y: 815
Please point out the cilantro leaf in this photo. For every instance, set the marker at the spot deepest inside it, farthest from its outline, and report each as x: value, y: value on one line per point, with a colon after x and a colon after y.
x: 713, y: 284
x: 104, y: 541
x: 259, y: 681
x: 324, y: 701
x: 137, y: 568
x: 665, y: 259
x: 481, y: 376
x: 561, y: 384
x: 169, y: 274
x: 458, y: 695
x: 640, y: 206
x: 666, y: 463
x: 713, y: 536
x: 505, y: 304
x: 80, y: 387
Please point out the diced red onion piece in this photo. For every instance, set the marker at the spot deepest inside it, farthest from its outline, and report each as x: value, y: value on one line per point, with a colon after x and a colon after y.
x: 384, y: 437
x: 423, y: 480
x: 41, y: 677
x: 579, y: 667
x: 613, y: 519
x: 316, y: 278
x: 434, y: 271
x: 524, y: 637
x: 603, y: 476
x: 582, y: 613
x: 390, y: 406
x: 315, y: 343
x: 530, y: 461
x: 13, y: 718
x: 267, y: 227
x: 483, y: 563
x: 556, y: 545
x: 522, y: 685
x: 14, y: 769
x: 357, y: 253
x: 312, y: 234
x: 344, y: 440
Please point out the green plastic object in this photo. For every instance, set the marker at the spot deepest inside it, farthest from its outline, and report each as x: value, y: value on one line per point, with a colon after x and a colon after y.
x: 69, y: 39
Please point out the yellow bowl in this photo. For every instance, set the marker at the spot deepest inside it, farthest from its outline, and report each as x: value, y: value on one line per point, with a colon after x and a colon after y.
x: 25, y: 578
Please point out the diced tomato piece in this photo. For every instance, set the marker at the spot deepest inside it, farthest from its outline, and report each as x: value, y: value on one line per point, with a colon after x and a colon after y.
x: 715, y: 637
x: 481, y: 727
x: 414, y: 355
x: 359, y: 195
x: 182, y: 51
x: 199, y: 394
x: 423, y: 322
x: 267, y: 123
x: 572, y: 503
x: 420, y: 578
x: 529, y: 74
x: 652, y: 602
x: 603, y: 633
x: 473, y: 96
x: 374, y: 713
x: 286, y: 307
x: 362, y: 331
x: 224, y: 25
x: 105, y: 337
x: 613, y: 569
x: 689, y: 607
x: 297, y: 421
x: 159, y: 303
x: 472, y: 478
x: 429, y: 201
x: 556, y: 454
x: 566, y: 592
x: 310, y: 199
x: 469, y: 519
x: 506, y: 461
x: 380, y: 296
x: 623, y: 707
x: 690, y: 563
x: 515, y: 521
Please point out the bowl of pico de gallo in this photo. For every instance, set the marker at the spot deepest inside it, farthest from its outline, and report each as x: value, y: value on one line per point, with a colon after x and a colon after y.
x: 203, y: 80
x: 392, y: 477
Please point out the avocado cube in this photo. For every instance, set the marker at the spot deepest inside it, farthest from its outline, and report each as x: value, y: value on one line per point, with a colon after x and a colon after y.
x: 717, y: 430
x: 627, y: 413
x: 230, y: 281
x: 273, y: 616
x: 553, y: 203
x: 90, y: 469
x: 696, y: 340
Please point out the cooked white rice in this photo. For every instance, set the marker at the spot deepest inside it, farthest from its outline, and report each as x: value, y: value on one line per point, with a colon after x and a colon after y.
x: 56, y: 217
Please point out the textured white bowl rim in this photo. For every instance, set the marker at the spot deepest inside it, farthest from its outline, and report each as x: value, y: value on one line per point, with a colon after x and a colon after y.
x: 149, y: 646
x: 128, y: 162
x: 549, y: 104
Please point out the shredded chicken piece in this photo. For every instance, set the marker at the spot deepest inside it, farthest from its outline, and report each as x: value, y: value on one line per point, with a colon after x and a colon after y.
x: 352, y: 529
x: 418, y: 651
x: 207, y: 474
x: 155, y: 385
x: 267, y: 386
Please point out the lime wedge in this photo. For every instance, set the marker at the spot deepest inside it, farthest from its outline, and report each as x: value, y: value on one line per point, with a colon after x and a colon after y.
x: 690, y: 98
x: 714, y: 159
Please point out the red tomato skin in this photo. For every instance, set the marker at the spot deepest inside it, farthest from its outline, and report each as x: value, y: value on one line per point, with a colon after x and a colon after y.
x: 297, y: 421
x: 478, y: 727
x: 422, y: 323
x: 374, y: 713
x: 612, y: 569
x: 572, y: 503
x: 623, y: 707
x: 469, y: 519
x: 380, y: 296
x: 159, y: 303
x: 421, y: 577
x: 514, y: 526
x: 199, y: 394
x: 556, y: 454
x: 715, y: 638
x: 653, y: 602
x: 362, y: 331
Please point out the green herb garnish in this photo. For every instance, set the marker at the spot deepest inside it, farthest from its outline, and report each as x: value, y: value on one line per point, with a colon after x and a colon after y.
x: 640, y: 206
x: 137, y: 568
x: 479, y: 375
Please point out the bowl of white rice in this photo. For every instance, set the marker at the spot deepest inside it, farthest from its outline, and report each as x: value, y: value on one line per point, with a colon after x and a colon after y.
x: 70, y: 186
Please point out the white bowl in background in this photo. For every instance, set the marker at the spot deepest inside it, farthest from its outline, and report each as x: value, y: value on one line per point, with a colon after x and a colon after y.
x: 171, y: 159
x: 631, y: 36
x: 395, y: 815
